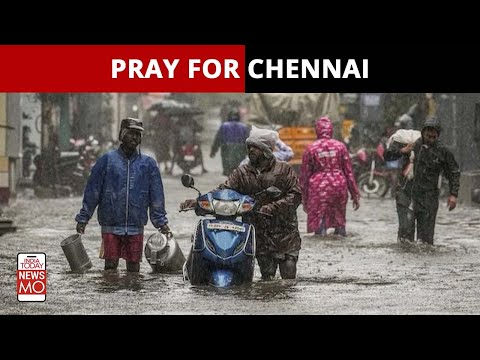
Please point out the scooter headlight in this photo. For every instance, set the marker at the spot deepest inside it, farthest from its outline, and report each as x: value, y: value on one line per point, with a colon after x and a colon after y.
x: 225, y: 208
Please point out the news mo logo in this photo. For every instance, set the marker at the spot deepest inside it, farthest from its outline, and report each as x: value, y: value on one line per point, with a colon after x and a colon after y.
x: 31, y: 277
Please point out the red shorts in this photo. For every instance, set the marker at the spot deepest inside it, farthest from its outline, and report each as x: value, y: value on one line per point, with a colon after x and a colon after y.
x: 128, y: 247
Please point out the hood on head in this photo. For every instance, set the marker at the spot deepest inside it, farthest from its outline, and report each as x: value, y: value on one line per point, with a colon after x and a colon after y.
x: 264, y: 139
x: 324, y: 128
x: 432, y: 122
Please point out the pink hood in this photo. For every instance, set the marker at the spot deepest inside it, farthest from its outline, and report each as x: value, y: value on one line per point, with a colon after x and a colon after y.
x: 324, y: 128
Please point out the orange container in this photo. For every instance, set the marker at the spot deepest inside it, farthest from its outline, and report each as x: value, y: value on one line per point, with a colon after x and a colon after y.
x: 297, y: 133
x: 298, y: 138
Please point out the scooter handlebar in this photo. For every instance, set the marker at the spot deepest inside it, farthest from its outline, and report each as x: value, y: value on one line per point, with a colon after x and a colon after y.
x: 264, y: 214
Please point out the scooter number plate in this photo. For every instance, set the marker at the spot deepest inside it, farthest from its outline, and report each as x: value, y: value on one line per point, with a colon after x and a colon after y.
x: 231, y: 227
x: 189, y: 158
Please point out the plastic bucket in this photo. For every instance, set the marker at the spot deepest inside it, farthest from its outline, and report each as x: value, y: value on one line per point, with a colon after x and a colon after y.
x: 75, y: 252
x: 163, y: 253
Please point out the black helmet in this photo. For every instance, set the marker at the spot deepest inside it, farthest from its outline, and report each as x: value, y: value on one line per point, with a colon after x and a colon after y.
x: 432, y: 122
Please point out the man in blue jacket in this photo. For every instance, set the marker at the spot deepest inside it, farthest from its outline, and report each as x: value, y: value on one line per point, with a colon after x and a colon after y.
x: 125, y: 185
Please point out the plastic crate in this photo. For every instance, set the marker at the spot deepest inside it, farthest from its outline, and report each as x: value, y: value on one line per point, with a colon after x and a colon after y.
x: 297, y: 133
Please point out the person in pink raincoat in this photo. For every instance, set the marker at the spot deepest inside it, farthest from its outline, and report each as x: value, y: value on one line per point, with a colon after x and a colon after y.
x: 326, y: 178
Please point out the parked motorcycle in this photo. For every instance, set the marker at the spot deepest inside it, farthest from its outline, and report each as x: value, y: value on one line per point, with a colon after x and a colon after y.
x: 375, y: 177
x: 360, y: 162
x: 223, y: 248
x: 66, y: 171
x: 378, y: 181
x: 187, y: 153
x: 189, y: 157
x: 89, y: 151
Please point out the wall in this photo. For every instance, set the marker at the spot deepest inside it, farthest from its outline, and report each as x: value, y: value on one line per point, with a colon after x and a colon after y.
x: 9, y: 144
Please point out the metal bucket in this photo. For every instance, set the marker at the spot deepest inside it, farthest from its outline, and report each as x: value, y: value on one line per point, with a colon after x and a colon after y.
x: 75, y: 252
x: 163, y: 253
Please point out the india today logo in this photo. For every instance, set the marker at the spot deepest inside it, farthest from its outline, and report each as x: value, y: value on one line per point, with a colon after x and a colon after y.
x: 31, y: 277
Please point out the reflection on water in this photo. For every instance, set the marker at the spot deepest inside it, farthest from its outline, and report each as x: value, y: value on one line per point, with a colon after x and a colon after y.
x: 258, y: 290
x: 345, y: 280
x: 330, y: 237
x: 352, y: 242
x: 277, y: 289
x: 417, y: 247
x: 111, y: 281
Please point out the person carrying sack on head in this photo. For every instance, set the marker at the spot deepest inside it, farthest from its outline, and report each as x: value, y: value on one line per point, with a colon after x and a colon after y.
x: 424, y: 159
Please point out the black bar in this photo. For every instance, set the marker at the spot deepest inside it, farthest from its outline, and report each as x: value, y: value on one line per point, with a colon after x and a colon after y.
x: 391, y: 68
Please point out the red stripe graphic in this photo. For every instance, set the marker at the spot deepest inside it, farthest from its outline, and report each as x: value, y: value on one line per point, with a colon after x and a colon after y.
x: 141, y: 68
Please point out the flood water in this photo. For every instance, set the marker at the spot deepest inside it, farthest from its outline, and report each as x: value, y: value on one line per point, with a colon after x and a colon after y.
x: 365, y: 273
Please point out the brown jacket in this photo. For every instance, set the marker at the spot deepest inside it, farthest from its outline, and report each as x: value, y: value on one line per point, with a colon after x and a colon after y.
x: 277, y: 234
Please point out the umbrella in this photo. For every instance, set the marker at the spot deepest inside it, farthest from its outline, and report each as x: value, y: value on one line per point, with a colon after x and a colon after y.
x: 175, y: 108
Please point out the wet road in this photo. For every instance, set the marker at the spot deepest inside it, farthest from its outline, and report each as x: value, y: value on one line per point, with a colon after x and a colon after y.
x: 366, y: 273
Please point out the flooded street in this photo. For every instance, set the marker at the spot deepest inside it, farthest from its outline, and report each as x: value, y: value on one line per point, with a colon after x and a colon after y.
x: 366, y: 273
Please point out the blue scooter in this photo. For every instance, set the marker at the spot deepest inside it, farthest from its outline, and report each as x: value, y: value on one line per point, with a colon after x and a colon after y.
x: 223, y: 248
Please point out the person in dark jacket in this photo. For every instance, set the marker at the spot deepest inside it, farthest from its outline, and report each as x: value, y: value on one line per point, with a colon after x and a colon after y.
x: 278, y: 240
x: 125, y: 185
x: 230, y: 139
x: 418, y: 187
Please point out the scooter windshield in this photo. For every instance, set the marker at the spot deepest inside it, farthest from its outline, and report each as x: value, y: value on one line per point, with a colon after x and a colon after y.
x: 227, y: 194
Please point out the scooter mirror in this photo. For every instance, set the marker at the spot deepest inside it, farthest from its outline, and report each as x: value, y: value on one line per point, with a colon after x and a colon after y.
x: 187, y: 180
